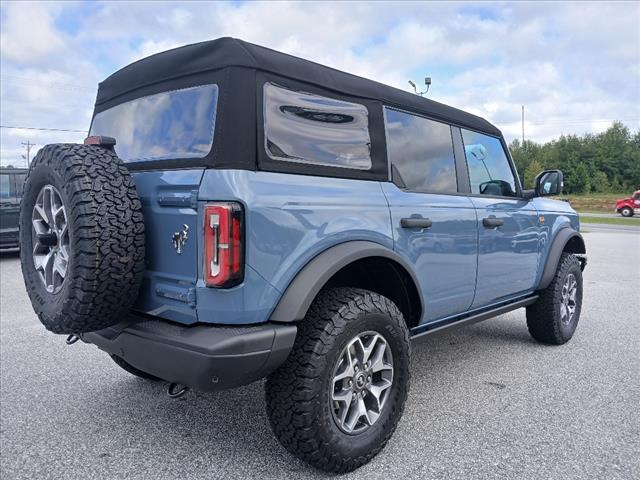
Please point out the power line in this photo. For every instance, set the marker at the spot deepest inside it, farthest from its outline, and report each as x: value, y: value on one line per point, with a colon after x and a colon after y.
x: 44, y: 129
x: 50, y: 83
x: 586, y: 122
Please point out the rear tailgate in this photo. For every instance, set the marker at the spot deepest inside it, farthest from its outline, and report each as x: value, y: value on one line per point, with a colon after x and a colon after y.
x: 169, y: 201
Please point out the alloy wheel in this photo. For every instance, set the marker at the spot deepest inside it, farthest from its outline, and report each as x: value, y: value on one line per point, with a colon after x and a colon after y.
x: 568, y: 302
x: 361, y: 383
x: 50, y: 238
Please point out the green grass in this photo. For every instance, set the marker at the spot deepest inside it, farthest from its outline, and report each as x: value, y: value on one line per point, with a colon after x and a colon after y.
x: 595, y: 202
x: 610, y: 221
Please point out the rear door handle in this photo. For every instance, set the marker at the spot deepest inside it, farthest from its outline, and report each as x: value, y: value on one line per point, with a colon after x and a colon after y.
x: 415, y: 222
x: 492, y: 222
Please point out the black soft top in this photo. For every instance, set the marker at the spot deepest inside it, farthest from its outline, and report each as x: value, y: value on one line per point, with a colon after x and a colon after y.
x: 241, y: 70
x: 198, y: 58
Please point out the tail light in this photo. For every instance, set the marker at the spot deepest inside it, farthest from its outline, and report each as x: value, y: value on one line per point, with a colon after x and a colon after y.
x: 223, y: 255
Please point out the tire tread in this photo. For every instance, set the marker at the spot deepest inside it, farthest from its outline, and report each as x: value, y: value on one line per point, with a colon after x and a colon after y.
x: 290, y: 391
x: 107, y: 238
x: 542, y: 321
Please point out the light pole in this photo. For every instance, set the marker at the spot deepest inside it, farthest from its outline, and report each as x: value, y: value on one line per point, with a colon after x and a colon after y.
x: 523, y: 125
x: 427, y: 82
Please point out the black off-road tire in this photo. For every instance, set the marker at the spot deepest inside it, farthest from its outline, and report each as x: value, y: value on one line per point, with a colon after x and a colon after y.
x: 106, y: 238
x: 543, y: 317
x: 133, y: 370
x: 626, y: 212
x: 298, y: 393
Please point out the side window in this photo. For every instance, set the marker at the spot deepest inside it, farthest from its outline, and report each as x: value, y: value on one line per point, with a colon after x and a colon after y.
x: 489, y: 170
x: 5, y: 183
x: 308, y: 128
x: 421, y: 152
x: 19, y: 179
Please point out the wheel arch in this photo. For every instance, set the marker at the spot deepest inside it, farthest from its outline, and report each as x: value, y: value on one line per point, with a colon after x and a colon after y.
x: 345, y: 264
x: 567, y: 240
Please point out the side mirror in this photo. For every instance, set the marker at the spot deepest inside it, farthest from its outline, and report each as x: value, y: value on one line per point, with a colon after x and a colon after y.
x: 549, y: 182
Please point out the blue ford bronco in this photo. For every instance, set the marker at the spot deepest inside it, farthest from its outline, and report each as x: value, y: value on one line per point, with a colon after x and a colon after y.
x: 237, y: 213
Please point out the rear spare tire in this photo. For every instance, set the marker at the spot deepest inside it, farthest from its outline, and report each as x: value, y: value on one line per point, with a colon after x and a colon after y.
x: 81, y: 238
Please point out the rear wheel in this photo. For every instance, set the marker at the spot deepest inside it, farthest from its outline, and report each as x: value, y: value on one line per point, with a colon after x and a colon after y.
x: 554, y: 317
x: 337, y: 399
x: 626, y: 212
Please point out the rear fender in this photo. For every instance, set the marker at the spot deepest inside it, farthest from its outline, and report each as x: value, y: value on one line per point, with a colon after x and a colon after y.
x: 301, y: 292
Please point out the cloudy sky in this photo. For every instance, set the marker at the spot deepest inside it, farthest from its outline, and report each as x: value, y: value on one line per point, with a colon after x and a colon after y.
x: 575, y: 66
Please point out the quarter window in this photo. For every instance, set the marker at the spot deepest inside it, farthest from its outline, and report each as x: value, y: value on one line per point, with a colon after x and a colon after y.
x: 489, y: 170
x: 421, y: 152
x: 168, y: 125
x: 307, y: 128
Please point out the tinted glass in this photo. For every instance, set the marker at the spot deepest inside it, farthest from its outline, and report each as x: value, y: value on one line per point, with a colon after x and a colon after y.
x: 489, y: 170
x: 421, y: 150
x: 19, y: 179
x: 176, y: 124
x: 5, y: 182
x: 308, y: 128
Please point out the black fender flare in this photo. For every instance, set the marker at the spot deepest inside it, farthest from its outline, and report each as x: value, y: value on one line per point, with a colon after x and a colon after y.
x: 308, y: 282
x: 562, y: 238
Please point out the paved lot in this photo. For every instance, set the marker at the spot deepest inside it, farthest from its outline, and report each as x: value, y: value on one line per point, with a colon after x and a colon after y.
x: 486, y: 402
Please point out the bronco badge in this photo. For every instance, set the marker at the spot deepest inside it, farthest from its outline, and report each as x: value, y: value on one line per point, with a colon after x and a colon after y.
x: 180, y: 238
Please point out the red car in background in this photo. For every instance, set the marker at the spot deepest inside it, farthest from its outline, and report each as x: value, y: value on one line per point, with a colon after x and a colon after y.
x: 628, y: 206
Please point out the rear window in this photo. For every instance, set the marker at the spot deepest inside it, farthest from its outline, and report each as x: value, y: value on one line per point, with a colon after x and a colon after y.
x: 308, y: 128
x: 168, y: 125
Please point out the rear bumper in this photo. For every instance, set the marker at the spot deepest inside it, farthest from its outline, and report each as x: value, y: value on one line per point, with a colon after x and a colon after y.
x: 203, y: 357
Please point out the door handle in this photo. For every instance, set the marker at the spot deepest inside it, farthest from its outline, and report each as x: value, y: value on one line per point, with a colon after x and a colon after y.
x: 492, y: 222
x: 415, y: 222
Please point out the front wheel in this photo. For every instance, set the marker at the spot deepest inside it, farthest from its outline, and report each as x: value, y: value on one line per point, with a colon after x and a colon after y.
x: 337, y: 399
x: 554, y: 317
x: 626, y: 212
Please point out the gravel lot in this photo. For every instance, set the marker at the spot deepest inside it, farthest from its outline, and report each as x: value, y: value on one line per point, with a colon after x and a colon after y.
x: 486, y: 401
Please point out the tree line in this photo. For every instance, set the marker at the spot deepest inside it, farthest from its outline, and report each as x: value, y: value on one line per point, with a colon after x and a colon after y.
x: 592, y: 163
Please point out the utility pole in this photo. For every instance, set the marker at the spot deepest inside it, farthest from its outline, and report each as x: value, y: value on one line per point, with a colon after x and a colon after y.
x: 523, y: 125
x: 28, y: 145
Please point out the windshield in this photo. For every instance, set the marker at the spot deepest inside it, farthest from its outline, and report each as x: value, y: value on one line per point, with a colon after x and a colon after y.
x: 168, y: 125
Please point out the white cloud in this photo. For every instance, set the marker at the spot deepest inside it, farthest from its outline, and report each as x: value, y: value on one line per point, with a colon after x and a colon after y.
x: 576, y: 66
x: 28, y: 33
